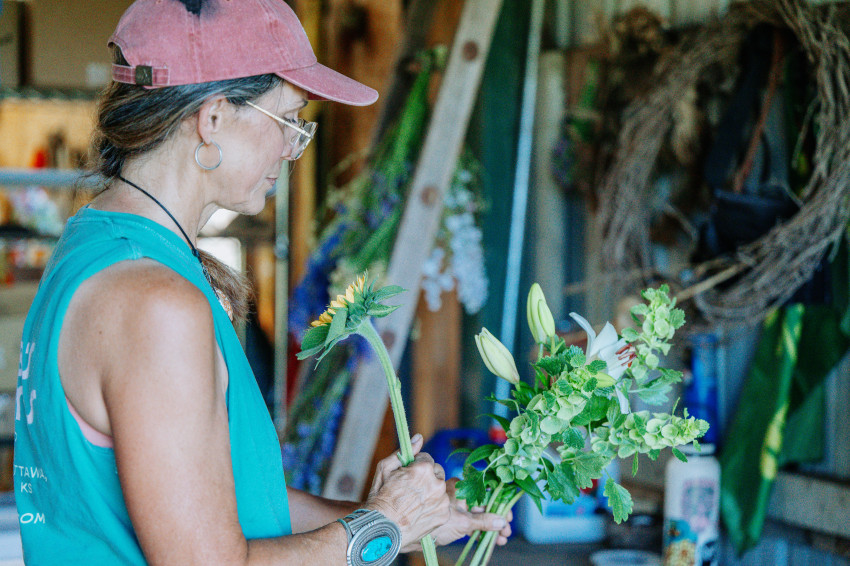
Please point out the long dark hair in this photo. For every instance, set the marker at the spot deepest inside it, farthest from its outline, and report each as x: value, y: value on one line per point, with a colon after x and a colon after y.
x: 132, y: 121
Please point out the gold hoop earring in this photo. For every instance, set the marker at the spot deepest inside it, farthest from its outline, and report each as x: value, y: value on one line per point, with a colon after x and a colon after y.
x: 198, y: 161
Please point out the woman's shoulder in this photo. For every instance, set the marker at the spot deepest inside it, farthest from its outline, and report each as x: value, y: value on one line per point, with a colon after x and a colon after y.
x: 131, y: 324
x: 140, y: 295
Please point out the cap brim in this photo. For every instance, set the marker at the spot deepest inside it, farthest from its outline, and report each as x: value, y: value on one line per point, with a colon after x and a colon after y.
x: 323, y: 83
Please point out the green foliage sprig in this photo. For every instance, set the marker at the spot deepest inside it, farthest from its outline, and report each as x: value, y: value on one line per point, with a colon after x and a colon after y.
x: 575, y: 418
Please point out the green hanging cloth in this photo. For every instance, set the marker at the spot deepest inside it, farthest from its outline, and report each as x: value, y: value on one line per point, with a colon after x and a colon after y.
x: 779, y: 419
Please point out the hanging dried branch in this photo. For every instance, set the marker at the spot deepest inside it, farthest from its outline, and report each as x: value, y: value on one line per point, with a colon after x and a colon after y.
x: 626, y: 188
x: 768, y: 271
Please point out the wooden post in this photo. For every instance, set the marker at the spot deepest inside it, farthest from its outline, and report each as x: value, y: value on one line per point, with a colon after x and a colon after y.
x: 436, y: 367
x: 368, y: 398
x: 305, y: 179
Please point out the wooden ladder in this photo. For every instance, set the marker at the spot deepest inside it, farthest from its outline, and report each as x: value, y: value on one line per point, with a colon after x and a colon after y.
x: 367, y: 403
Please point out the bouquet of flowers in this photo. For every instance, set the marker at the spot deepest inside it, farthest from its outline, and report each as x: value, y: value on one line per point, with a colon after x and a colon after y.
x: 579, y: 399
x: 576, y: 417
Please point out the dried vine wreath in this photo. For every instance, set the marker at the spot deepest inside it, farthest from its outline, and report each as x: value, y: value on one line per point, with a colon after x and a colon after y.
x: 769, y: 270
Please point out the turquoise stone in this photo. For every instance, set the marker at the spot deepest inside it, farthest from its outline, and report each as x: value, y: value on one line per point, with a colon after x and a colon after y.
x: 375, y: 549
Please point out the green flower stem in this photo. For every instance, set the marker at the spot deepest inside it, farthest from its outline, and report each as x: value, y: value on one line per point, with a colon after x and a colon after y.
x: 491, y: 500
x: 488, y: 543
x: 367, y: 331
x: 477, y: 558
x: 494, y: 497
x: 469, y: 544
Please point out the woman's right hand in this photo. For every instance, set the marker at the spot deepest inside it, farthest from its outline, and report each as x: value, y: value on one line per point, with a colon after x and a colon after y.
x: 414, y: 497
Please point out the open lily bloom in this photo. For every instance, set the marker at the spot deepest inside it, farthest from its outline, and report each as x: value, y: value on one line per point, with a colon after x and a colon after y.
x: 615, y: 352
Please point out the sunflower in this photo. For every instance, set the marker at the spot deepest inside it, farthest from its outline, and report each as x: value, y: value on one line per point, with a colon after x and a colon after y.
x: 345, y: 315
x: 341, y: 301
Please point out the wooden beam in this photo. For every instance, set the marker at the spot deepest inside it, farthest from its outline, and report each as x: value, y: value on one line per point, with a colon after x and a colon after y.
x: 368, y: 398
x: 304, y: 180
x: 357, y: 36
x: 436, y: 367
x: 417, y: 22
x: 814, y: 503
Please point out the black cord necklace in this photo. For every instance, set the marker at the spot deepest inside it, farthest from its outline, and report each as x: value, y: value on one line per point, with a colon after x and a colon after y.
x: 195, y: 251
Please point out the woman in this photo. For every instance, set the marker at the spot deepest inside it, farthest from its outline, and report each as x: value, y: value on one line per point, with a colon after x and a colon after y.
x: 141, y: 436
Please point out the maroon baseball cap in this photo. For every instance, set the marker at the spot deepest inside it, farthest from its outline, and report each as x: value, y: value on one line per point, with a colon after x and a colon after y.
x: 166, y: 43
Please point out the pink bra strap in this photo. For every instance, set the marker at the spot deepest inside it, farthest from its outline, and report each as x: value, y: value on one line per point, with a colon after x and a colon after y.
x: 94, y: 436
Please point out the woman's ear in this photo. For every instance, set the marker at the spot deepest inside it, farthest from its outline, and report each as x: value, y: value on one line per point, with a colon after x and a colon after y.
x: 210, y: 117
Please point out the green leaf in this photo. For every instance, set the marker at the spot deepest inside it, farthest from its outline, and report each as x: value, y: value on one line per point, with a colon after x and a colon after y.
x: 564, y: 387
x: 677, y: 318
x: 653, y: 454
x: 523, y: 393
x: 314, y: 337
x: 481, y: 453
x: 572, y: 351
x: 655, y: 393
x: 551, y: 365
x: 534, y: 421
x: 503, y: 422
x: 640, y: 423
x: 619, y: 499
x: 572, y: 438
x: 562, y: 485
x: 529, y: 486
x: 328, y: 347
x: 541, y: 378
x: 536, y: 501
x: 590, y: 385
x: 337, y: 327
x: 380, y: 311
x: 641, y: 309
x: 670, y: 375
x: 304, y: 354
x: 471, y: 487
x: 596, y: 366
x: 458, y: 451
x: 594, y: 410
x: 678, y: 454
x: 387, y: 292
x: 510, y: 403
x: 588, y: 467
x: 635, y: 465
x: 356, y: 311
x: 630, y: 334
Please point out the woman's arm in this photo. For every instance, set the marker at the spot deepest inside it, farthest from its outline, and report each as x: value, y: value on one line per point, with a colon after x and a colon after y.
x: 146, y: 336
x: 309, y: 512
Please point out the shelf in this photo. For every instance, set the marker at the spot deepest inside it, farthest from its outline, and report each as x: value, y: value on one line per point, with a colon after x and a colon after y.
x: 809, y: 502
x: 57, y: 178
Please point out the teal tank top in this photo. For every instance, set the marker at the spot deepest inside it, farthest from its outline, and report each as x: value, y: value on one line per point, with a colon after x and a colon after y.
x: 70, y: 505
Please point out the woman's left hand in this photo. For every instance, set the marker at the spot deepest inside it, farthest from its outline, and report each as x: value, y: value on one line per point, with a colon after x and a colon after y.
x: 464, y: 521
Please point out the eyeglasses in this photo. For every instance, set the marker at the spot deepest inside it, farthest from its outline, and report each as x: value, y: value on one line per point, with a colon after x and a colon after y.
x: 304, y: 131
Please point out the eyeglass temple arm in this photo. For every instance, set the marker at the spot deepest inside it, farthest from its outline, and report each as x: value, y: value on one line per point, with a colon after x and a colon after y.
x: 281, y: 120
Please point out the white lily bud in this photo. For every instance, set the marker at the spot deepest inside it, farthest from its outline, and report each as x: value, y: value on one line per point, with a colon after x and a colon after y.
x: 540, y: 319
x: 496, y: 357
